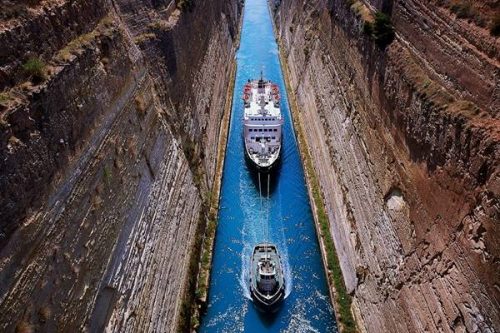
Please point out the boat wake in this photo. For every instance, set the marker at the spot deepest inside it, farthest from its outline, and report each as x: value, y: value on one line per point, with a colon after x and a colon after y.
x: 255, y: 230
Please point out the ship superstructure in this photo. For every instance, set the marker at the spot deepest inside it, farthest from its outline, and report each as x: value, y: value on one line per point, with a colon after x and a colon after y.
x: 262, y: 123
x: 267, y: 282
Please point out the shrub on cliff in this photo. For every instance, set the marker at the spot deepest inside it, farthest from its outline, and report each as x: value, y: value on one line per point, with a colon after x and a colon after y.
x: 495, y: 26
x: 185, y: 5
x: 465, y: 10
x: 383, y: 31
x: 368, y: 28
x: 35, y: 68
x: 462, y: 9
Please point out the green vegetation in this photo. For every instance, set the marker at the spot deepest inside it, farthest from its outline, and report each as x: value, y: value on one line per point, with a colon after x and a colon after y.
x: 383, y: 31
x: 186, y: 317
x: 107, y: 174
x: 349, y: 3
x: 368, y: 28
x: 185, y: 5
x: 3, y: 98
x: 465, y: 10
x: 495, y: 26
x: 145, y: 37
x: 462, y: 9
x: 35, y: 68
x: 343, y: 299
x: 104, y: 28
x: 206, y: 257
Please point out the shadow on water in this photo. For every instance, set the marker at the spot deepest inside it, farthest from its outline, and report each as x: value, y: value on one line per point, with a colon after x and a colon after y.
x: 271, y: 178
x: 274, y: 174
x: 268, y: 318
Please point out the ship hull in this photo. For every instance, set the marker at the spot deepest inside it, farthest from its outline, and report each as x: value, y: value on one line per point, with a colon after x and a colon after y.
x: 262, y: 169
x: 265, y: 305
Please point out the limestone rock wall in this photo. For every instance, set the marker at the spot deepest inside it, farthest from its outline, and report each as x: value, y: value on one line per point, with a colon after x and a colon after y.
x: 105, y: 164
x: 405, y: 142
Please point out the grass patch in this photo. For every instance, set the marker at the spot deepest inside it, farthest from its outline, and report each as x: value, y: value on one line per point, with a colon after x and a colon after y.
x: 35, y: 68
x: 106, y: 173
x: 4, y: 98
x: 105, y: 27
x: 143, y: 38
x: 186, y: 315
x: 343, y: 299
x: 185, y: 5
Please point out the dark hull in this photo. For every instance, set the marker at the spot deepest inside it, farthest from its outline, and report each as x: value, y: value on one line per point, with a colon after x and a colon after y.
x: 271, y: 305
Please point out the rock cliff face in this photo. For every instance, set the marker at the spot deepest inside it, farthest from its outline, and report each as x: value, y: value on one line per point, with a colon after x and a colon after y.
x: 405, y: 142
x: 110, y: 120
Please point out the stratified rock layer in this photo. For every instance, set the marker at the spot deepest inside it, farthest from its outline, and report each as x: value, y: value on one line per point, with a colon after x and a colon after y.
x: 405, y: 142
x: 105, y: 164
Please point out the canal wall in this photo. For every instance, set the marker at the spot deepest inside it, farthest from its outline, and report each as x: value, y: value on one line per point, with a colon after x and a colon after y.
x: 406, y: 152
x: 111, y: 117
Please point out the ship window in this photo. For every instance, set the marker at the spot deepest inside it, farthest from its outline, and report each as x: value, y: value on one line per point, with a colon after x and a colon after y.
x: 276, y: 130
x: 274, y: 138
x: 253, y: 137
x: 260, y: 129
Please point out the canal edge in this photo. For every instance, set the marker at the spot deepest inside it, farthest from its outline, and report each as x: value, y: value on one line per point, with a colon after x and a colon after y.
x: 206, y: 256
x: 345, y: 325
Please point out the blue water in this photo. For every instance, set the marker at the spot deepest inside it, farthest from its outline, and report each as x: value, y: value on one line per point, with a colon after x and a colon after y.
x: 243, y: 215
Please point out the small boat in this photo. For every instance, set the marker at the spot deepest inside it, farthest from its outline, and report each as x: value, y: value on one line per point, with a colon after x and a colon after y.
x: 267, y: 282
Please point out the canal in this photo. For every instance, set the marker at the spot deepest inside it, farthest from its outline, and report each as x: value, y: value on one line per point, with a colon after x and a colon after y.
x: 243, y: 216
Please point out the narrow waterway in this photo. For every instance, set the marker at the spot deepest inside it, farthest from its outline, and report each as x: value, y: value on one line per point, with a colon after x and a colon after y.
x: 243, y: 217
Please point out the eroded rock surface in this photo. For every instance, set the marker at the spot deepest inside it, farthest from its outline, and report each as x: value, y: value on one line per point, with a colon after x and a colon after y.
x: 405, y: 141
x: 106, y: 161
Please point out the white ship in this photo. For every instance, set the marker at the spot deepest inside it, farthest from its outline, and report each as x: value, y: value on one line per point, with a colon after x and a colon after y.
x: 262, y: 123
